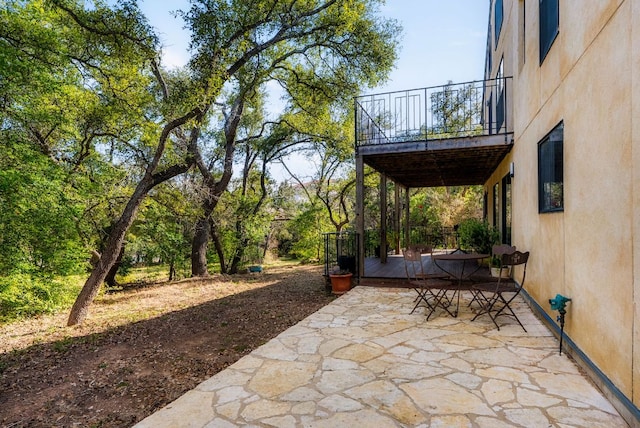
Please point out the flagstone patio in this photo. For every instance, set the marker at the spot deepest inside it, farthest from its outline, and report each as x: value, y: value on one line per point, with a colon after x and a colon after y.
x: 364, y: 361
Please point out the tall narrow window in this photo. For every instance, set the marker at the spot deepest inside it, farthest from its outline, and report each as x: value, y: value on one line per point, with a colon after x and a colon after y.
x: 549, y: 25
x: 489, y: 64
x: 550, y: 171
x: 485, y: 206
x: 506, y: 210
x: 500, y: 102
x: 496, y: 205
x: 497, y: 16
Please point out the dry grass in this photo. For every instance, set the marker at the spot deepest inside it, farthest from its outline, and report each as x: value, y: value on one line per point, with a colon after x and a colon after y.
x: 145, y: 345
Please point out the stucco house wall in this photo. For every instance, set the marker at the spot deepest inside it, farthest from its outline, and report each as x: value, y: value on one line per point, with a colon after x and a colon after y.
x: 589, y: 80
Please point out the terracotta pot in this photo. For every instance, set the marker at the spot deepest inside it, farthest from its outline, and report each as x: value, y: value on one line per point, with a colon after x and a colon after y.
x: 340, y: 283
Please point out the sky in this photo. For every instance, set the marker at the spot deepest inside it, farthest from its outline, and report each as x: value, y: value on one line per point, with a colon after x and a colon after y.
x: 441, y: 41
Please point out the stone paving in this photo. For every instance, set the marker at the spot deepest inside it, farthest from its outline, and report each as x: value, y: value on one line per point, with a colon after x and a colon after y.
x: 364, y: 361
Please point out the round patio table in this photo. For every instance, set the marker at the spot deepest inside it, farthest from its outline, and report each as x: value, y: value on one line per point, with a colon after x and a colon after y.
x: 458, y: 274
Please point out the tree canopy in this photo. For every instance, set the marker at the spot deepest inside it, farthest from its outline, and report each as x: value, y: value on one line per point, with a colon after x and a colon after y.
x: 92, y: 120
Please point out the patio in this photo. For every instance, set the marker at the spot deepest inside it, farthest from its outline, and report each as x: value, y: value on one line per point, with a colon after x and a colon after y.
x: 364, y: 361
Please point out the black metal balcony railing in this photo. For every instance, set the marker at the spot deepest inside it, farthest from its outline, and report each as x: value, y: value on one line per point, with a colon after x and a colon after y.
x: 436, y: 237
x: 448, y: 111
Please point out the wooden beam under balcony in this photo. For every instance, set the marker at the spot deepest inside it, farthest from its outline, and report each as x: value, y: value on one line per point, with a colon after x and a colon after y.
x: 445, y: 162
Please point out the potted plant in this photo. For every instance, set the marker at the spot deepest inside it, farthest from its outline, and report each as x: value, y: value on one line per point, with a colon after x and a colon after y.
x: 495, y: 268
x: 340, y: 280
x: 478, y: 235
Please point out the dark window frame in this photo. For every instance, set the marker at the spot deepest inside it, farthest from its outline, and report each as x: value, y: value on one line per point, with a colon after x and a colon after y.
x: 549, y: 11
x: 485, y: 206
x: 489, y: 63
x: 498, y: 17
x: 500, y: 97
x: 496, y: 206
x: 551, y: 171
x: 507, y: 207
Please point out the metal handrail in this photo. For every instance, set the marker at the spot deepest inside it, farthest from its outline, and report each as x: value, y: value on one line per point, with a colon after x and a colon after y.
x: 438, y: 112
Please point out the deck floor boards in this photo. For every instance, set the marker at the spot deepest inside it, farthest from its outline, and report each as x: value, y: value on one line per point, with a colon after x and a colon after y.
x: 394, y: 268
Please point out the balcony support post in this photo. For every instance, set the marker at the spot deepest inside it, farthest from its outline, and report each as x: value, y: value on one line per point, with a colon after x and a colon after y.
x: 360, y: 213
x: 396, y: 217
x: 407, y: 217
x: 383, y: 218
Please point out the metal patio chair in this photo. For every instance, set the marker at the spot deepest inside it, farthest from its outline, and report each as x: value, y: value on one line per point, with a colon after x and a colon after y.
x: 496, y: 252
x: 495, y: 297
x: 429, y: 286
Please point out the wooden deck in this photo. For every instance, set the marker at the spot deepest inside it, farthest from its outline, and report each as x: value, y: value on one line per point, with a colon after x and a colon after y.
x: 394, y: 268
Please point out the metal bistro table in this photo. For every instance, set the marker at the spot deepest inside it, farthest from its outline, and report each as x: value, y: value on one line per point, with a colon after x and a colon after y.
x: 455, y: 273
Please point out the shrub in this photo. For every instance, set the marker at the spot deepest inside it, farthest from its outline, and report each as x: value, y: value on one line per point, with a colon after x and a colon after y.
x: 23, y: 295
x: 478, y: 235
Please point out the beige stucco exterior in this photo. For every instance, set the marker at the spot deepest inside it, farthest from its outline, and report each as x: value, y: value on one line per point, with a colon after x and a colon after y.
x: 590, y: 81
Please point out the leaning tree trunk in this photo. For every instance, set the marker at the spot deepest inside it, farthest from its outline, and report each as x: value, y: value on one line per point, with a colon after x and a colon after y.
x: 218, y: 246
x: 115, y: 240
x: 199, y: 248
x: 110, y: 279
x: 172, y: 269
x: 238, y: 256
x: 216, y: 189
x: 110, y: 254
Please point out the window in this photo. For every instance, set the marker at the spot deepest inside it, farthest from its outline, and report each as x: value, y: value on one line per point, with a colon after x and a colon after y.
x: 506, y: 210
x: 549, y: 24
x: 500, y: 102
x: 496, y: 205
x: 489, y: 64
x: 497, y: 17
x: 485, y: 206
x: 550, y: 171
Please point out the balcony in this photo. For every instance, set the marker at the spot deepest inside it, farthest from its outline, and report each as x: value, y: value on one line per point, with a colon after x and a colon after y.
x: 455, y: 134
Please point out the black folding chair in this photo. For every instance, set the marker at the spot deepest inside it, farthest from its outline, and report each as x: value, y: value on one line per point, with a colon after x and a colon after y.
x: 496, y: 253
x: 429, y: 286
x: 495, y: 297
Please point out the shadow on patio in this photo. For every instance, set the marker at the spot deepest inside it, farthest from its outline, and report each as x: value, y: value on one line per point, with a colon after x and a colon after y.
x: 364, y: 361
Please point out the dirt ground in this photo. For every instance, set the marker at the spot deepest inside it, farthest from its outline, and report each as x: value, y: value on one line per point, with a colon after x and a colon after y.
x: 144, y: 346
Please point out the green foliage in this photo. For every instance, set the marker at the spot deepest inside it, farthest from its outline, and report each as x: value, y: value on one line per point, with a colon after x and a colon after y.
x: 37, y: 215
x: 455, y: 111
x: 445, y: 206
x: 301, y: 43
x: 162, y: 230
x: 83, y: 101
x: 478, y: 235
x: 306, y: 230
x: 23, y: 295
